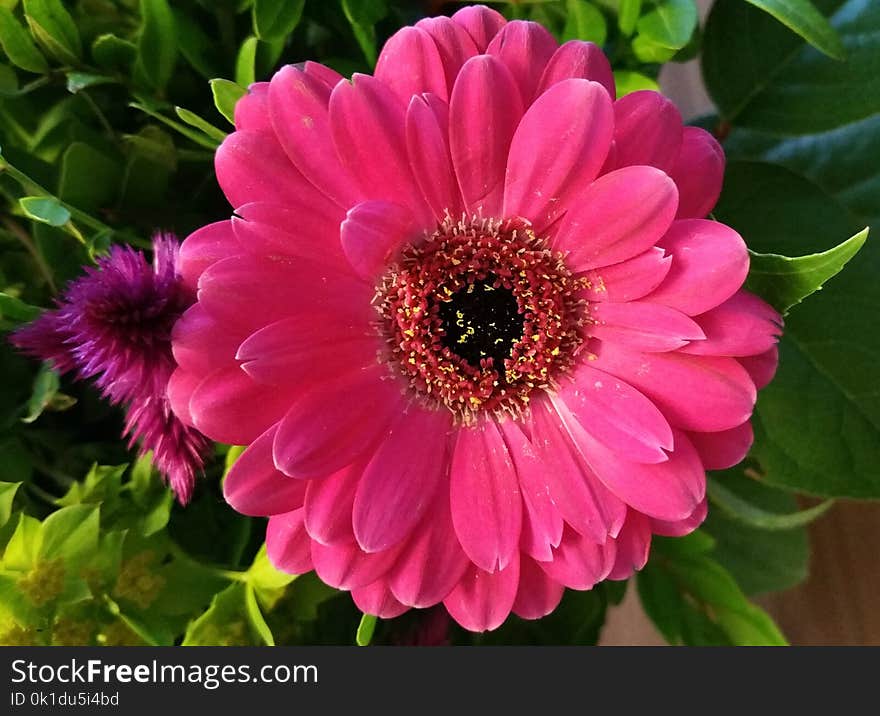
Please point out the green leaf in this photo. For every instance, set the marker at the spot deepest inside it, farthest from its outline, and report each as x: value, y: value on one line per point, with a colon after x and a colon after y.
x: 7, y: 495
x: 255, y: 617
x: 225, y: 623
x: 157, y: 43
x: 628, y: 15
x: 193, y: 120
x: 802, y: 17
x: 16, y: 310
x: 743, y: 511
x: 274, y: 19
x: 70, y: 533
x: 21, y: 550
x: 112, y: 53
x: 646, y: 50
x: 694, y: 600
x: 54, y: 29
x: 670, y: 24
x: 46, y: 210
x: 365, y: 630
x: 77, y: 81
x: 245, y: 63
x: 785, y: 281
x: 363, y: 15
x: 199, y: 138
x: 46, y: 384
x: 584, y: 22
x: 226, y: 95
x: 760, y: 560
x: 17, y: 44
x: 762, y: 76
x: 628, y: 82
x: 89, y: 179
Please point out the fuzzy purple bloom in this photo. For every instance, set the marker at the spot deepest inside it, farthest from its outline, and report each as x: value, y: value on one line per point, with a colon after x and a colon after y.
x: 114, y: 325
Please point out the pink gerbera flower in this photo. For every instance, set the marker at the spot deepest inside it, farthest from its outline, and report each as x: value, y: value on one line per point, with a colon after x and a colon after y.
x: 113, y: 325
x: 470, y: 321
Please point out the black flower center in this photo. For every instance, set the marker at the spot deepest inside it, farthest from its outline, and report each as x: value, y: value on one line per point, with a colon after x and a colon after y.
x: 482, y: 321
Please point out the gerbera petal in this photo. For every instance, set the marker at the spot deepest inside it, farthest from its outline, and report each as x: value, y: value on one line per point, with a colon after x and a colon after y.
x: 557, y: 150
x: 318, y: 344
x: 618, y: 216
x: 743, y: 325
x: 432, y: 562
x: 308, y: 230
x: 328, y: 76
x: 480, y: 156
x: 229, y: 407
x: 628, y: 280
x: 399, y: 481
x: 762, y: 367
x: 252, y: 110
x: 330, y: 425
x: 583, y: 501
x: 482, y: 24
x: 485, y: 497
x: 702, y: 393
x: 427, y: 129
x: 647, y: 130
x: 201, y: 344
x: 680, y: 528
x: 583, y: 60
x: 526, y: 48
x: 253, y: 486
x: 481, y: 601
x: 372, y: 234
x: 642, y: 325
x: 287, y: 544
x: 204, y: 247
x: 580, y: 563
x: 698, y: 172
x: 367, y: 124
x: 181, y: 386
x: 298, y: 105
x: 454, y: 44
x: 251, y: 166
x: 538, y: 594
x: 377, y: 599
x: 346, y: 566
x: 725, y: 448
x: 329, y: 502
x: 542, y: 519
x: 633, y: 545
x: 709, y: 264
x: 617, y: 414
x: 410, y: 64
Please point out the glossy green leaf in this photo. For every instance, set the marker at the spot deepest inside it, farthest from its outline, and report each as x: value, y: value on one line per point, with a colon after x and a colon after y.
x: 245, y: 63
x: 157, y: 43
x: 584, y: 22
x: 764, y: 77
x: 193, y: 120
x: 78, y: 81
x: 16, y: 310
x: 200, y: 138
x: 24, y: 545
x: 7, y: 495
x: 802, y: 17
x: 46, y: 210
x: 628, y: 14
x: 274, y: 19
x: 54, y: 28
x: 46, y: 385
x: 648, y: 51
x: 743, y: 511
x: 363, y: 15
x: 17, y: 44
x: 365, y: 630
x: 226, y: 95
x: 670, y: 24
x: 628, y: 82
x: 89, y: 179
x: 70, y: 533
x: 785, y: 281
x: 225, y: 623
x: 113, y: 53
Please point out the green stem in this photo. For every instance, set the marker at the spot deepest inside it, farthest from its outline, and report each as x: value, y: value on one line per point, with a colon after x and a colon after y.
x: 230, y: 574
x: 25, y: 238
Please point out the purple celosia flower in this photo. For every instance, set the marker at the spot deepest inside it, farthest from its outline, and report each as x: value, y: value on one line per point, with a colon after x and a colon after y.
x: 114, y: 325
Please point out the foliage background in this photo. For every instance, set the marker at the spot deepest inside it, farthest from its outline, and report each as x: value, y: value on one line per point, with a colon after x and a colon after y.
x: 109, y: 114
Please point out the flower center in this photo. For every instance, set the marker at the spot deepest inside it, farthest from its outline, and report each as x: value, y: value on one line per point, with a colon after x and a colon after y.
x: 479, y: 315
